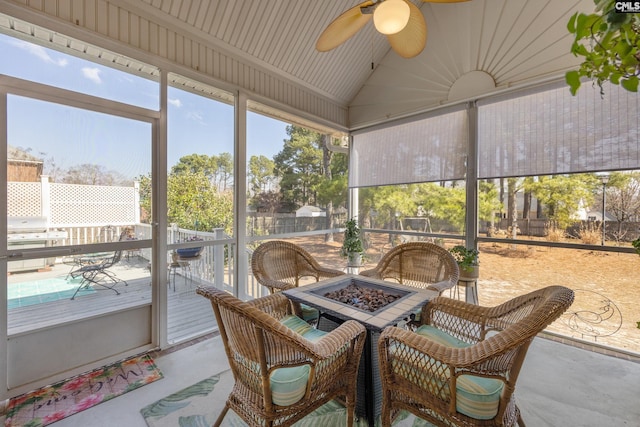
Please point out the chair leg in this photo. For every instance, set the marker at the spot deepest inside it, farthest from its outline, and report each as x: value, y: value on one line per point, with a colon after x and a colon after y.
x: 114, y: 278
x: 82, y: 284
x: 385, y: 414
x: 221, y: 416
x: 91, y: 276
x: 351, y: 408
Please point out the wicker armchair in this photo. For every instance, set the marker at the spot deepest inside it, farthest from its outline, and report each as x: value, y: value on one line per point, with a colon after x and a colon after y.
x: 461, y: 366
x: 263, y: 340
x: 279, y: 265
x: 418, y: 264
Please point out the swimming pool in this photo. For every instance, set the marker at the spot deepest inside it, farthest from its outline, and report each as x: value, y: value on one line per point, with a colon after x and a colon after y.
x: 44, y: 290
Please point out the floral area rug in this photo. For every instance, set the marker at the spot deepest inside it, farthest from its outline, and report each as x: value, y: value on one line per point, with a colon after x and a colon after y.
x: 200, y: 404
x: 57, y: 401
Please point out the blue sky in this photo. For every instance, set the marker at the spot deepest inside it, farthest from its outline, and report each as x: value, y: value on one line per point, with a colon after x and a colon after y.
x: 71, y: 137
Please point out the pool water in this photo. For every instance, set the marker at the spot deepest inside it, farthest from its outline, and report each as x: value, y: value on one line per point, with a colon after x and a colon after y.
x: 43, y: 290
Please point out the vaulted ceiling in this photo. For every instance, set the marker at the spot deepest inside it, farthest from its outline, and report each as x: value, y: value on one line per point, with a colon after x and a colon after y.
x: 473, y: 48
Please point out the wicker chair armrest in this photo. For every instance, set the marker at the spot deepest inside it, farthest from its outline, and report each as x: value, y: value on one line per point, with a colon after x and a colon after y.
x: 276, y: 285
x: 488, y: 357
x: 287, y: 343
x: 373, y: 272
x: 393, y: 336
x: 457, y: 308
x: 276, y: 305
x: 471, y: 359
x: 350, y: 330
x: 329, y: 272
x: 442, y: 286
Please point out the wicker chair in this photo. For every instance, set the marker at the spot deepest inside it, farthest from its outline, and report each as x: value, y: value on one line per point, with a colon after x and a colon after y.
x: 418, y: 264
x: 461, y: 366
x: 279, y: 265
x: 263, y: 340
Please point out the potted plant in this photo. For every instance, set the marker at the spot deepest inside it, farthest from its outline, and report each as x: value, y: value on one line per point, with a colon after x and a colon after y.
x: 352, y: 246
x: 467, y: 260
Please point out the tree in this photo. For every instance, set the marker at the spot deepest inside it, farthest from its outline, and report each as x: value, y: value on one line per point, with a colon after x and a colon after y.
x: 194, y: 203
x: 609, y: 43
x: 623, y: 198
x: 261, y: 174
x: 268, y: 201
x: 562, y: 196
x: 217, y: 169
x: 332, y: 191
x: 444, y: 203
x: 224, y: 171
x: 488, y: 201
x: 89, y: 174
x: 512, y: 207
x: 299, y: 166
x: 395, y: 202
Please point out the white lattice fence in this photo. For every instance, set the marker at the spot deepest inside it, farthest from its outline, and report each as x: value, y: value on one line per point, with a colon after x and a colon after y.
x: 24, y: 199
x: 92, y: 205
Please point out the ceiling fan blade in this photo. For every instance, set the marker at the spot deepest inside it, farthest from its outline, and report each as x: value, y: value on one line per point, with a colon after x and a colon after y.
x: 413, y: 38
x: 343, y: 27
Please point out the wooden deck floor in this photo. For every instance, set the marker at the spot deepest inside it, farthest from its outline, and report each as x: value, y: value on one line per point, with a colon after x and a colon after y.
x: 189, y: 314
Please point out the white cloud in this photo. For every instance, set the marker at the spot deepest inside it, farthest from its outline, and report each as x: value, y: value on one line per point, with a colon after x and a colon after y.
x: 197, y: 117
x: 92, y: 74
x: 39, y: 52
x: 175, y: 102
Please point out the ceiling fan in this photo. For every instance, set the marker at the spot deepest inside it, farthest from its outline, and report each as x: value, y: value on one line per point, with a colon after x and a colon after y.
x: 400, y: 20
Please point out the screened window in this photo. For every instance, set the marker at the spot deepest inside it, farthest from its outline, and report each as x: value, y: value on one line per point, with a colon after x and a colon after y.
x: 108, y: 76
x: 425, y: 150
x: 553, y: 132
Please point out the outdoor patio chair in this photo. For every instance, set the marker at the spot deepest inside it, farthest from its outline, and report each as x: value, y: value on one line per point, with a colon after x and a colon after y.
x: 279, y: 265
x: 419, y: 264
x: 460, y: 367
x: 98, y: 274
x: 283, y: 368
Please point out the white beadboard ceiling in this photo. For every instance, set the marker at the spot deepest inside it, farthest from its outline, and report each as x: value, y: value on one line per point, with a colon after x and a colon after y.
x: 512, y: 42
x: 473, y: 48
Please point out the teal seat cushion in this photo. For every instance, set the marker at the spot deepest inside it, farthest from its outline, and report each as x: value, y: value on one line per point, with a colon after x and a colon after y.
x: 476, y: 397
x: 301, y: 327
x: 441, y: 337
x: 296, y: 324
x: 309, y: 313
x: 288, y: 385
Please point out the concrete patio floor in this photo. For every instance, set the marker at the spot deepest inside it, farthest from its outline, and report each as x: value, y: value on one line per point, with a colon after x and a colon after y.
x: 560, y: 385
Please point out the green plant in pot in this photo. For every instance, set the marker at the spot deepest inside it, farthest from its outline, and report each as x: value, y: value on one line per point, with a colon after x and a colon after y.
x: 352, y: 246
x: 467, y: 260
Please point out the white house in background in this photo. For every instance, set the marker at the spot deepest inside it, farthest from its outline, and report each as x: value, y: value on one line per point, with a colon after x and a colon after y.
x: 312, y: 211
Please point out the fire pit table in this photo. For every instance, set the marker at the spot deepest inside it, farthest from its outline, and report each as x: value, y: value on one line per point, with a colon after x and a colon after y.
x: 363, y: 299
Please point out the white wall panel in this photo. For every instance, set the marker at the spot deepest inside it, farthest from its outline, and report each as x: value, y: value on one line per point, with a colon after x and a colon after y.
x: 75, y: 345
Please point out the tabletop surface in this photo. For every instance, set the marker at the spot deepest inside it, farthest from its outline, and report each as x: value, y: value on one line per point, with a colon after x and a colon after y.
x: 390, y: 314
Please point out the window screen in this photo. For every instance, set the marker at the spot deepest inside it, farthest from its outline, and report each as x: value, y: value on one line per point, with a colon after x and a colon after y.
x: 553, y: 132
x: 422, y: 150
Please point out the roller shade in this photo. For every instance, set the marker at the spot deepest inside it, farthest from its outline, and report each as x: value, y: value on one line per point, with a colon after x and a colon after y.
x: 426, y: 149
x: 553, y: 132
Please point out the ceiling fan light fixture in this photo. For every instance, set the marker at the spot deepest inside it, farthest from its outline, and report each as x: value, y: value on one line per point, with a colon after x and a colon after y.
x: 391, y: 16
